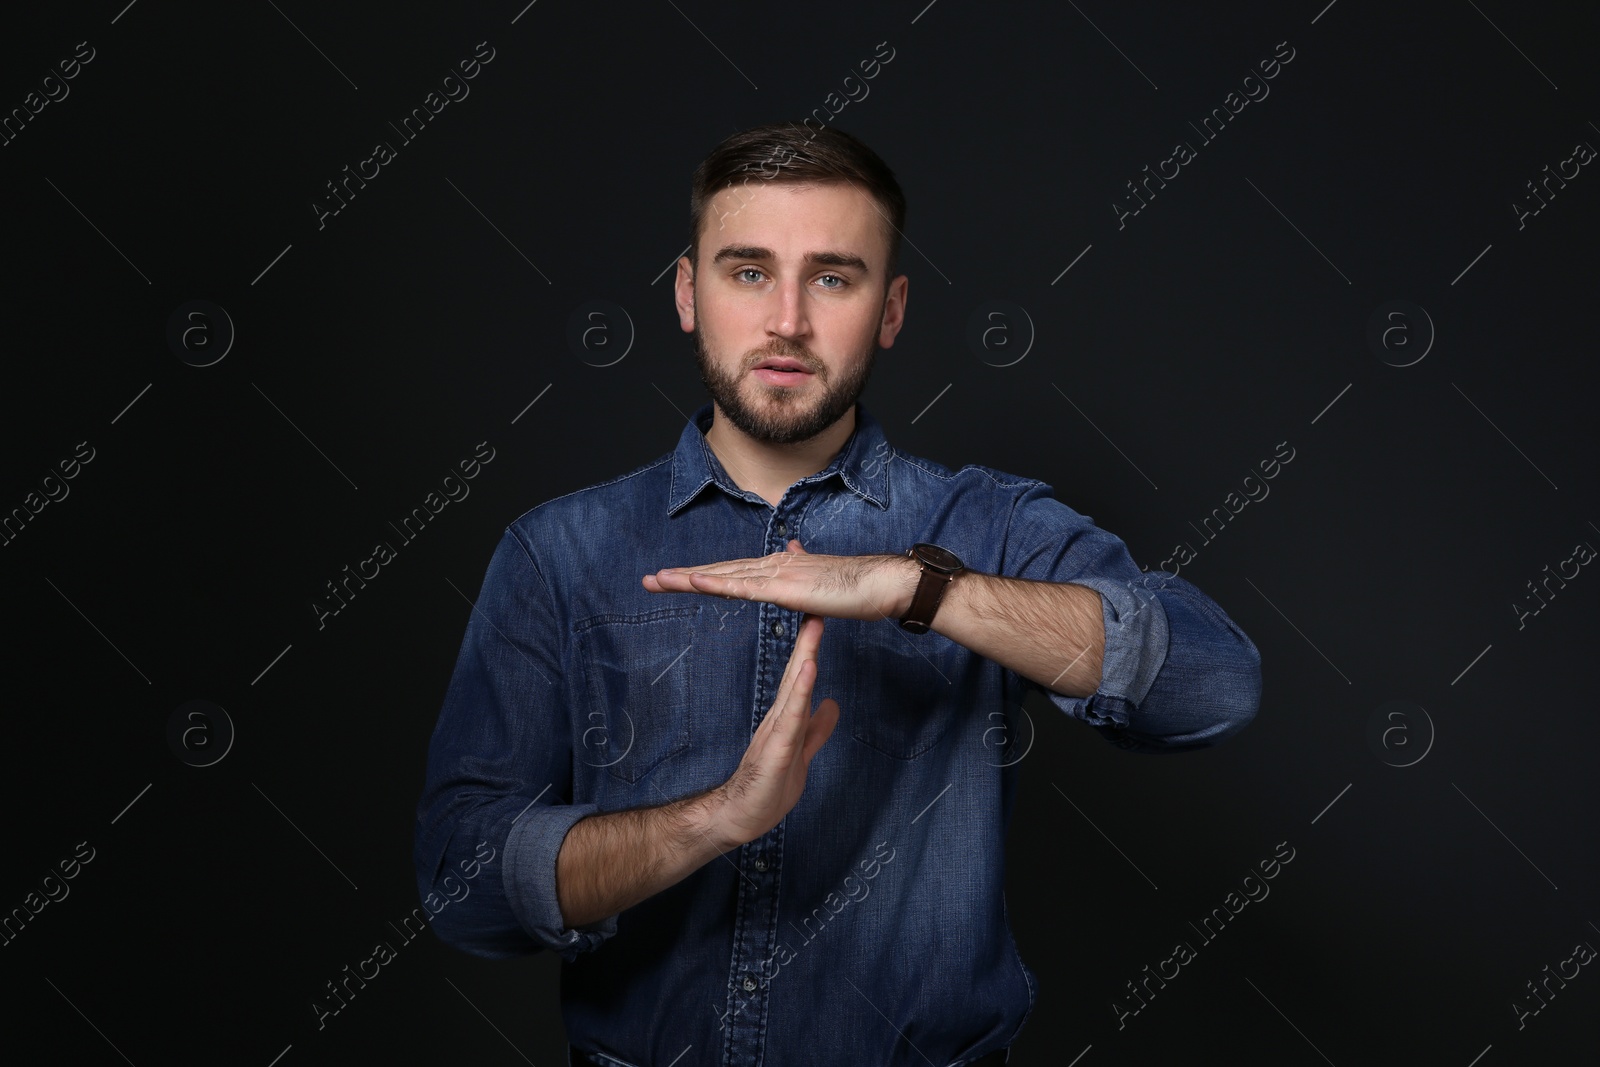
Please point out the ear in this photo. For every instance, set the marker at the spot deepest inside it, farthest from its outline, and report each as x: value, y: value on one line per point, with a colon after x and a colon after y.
x: 894, y: 311
x: 683, y: 294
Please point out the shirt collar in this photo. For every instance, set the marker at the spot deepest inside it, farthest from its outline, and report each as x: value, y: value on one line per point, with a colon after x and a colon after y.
x: 862, y: 464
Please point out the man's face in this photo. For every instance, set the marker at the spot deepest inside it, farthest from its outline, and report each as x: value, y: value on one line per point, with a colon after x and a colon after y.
x: 788, y: 305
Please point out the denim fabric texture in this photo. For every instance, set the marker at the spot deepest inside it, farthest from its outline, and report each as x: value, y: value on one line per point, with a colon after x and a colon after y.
x: 869, y: 926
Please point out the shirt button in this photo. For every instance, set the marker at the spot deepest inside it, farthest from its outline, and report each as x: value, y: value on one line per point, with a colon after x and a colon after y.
x: 761, y: 863
x: 777, y: 629
x: 749, y: 984
x: 783, y: 528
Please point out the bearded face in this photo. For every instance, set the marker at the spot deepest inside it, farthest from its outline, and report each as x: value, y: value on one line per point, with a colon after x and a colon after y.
x: 782, y: 413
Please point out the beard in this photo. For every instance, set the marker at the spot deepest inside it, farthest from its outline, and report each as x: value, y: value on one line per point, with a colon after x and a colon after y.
x: 781, y: 416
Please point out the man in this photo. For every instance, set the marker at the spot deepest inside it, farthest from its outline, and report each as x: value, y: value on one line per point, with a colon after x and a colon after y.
x: 630, y: 721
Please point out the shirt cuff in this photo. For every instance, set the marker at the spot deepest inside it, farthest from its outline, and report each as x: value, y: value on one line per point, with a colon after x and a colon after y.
x: 1136, y: 637
x: 529, y: 878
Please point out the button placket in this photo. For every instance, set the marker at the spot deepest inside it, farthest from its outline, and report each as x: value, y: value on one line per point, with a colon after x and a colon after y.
x: 757, y: 921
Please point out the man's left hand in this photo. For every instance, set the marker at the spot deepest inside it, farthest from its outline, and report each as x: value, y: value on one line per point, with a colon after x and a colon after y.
x: 837, y: 587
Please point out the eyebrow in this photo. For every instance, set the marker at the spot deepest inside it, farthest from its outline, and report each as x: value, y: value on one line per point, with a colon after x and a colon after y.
x: 831, y: 259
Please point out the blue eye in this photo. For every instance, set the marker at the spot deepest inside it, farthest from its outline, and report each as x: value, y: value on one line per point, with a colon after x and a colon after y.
x: 749, y: 270
x: 832, y: 277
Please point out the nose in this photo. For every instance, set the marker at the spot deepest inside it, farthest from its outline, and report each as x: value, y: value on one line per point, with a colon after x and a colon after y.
x: 787, y: 315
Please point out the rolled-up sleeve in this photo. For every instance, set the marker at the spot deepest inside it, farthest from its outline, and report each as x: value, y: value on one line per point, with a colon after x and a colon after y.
x: 496, y: 801
x: 1177, y: 672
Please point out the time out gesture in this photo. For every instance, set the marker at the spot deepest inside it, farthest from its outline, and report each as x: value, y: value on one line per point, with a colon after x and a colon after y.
x: 1049, y: 632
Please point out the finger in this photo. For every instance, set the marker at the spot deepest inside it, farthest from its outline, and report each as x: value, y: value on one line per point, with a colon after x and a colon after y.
x: 751, y: 585
x: 718, y: 567
x: 794, y: 546
x: 683, y: 583
x: 668, y: 582
x: 806, y: 644
x: 724, y: 585
x: 797, y: 708
x: 785, y: 686
x: 789, y: 715
x: 810, y: 636
x: 820, y: 728
x: 805, y: 648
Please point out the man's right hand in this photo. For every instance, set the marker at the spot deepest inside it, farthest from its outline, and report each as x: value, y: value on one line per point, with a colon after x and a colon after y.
x: 611, y: 861
x: 772, y: 773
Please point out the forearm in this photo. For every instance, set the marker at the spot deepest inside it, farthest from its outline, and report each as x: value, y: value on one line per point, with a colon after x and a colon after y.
x: 612, y: 861
x: 1052, y: 633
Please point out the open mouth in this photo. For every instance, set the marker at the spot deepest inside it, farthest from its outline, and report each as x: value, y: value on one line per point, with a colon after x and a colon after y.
x: 782, y: 371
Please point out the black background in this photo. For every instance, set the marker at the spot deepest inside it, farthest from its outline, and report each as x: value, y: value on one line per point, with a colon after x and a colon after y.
x: 1178, y: 351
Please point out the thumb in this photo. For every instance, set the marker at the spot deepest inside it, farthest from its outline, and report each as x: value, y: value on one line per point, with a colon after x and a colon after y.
x: 794, y: 546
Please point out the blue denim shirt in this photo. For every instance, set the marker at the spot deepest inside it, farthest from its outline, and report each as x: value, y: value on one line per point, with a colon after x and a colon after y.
x: 869, y: 926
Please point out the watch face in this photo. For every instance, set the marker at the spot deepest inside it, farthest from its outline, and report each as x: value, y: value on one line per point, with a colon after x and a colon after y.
x: 935, y: 558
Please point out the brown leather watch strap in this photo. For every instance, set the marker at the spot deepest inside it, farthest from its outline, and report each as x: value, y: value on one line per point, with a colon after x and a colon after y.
x: 931, y: 586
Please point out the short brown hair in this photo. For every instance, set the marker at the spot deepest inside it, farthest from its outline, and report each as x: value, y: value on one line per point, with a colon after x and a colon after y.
x: 790, y: 152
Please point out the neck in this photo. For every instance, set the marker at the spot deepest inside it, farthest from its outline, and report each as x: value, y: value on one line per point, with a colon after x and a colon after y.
x: 768, y: 469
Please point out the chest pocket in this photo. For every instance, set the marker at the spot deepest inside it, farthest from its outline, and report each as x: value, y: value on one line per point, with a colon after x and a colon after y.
x: 636, y: 683
x: 906, y: 689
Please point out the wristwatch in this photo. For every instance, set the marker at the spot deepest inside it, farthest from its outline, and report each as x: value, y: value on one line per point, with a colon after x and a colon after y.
x: 939, y: 568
